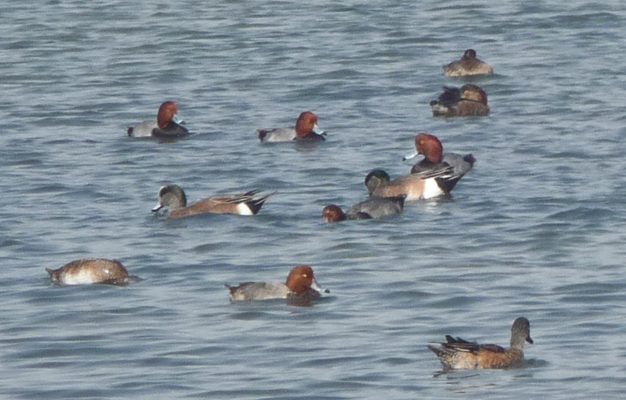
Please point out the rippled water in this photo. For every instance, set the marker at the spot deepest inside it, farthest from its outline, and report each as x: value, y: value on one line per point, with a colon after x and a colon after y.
x: 536, y: 229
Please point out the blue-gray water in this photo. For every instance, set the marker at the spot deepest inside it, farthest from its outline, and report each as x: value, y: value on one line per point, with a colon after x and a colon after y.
x: 536, y: 229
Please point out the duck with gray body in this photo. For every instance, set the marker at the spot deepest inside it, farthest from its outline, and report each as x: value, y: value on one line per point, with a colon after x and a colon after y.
x: 167, y: 125
x: 306, y: 130
x: 300, y: 284
x: 447, y: 168
x: 373, y: 208
x: 377, y: 208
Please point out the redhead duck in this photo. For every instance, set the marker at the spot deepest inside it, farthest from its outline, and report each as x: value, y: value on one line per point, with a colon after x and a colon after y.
x: 374, y: 208
x: 301, y: 284
x: 306, y: 130
x: 173, y: 197
x: 461, y: 354
x: 89, y: 271
x: 167, y: 125
x: 468, y: 65
x: 468, y: 101
x: 447, y: 169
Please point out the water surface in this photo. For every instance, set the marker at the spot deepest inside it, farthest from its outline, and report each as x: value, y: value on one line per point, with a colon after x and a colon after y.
x: 536, y: 229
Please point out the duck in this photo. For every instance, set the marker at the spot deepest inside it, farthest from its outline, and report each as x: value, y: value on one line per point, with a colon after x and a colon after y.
x: 301, y: 284
x: 425, y: 183
x: 167, y: 125
x: 412, y: 186
x: 90, y: 271
x: 306, y: 130
x: 468, y: 101
x: 468, y: 65
x: 374, y: 208
x: 458, y: 353
x: 447, y: 169
x: 173, y: 197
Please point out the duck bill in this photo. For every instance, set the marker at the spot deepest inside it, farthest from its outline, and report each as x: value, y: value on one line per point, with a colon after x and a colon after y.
x: 529, y: 340
x: 316, y: 129
x: 176, y: 119
x: 157, y: 208
x: 318, y: 288
x: 410, y: 156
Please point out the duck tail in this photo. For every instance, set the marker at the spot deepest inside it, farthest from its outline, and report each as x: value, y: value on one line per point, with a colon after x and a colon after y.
x: 256, y: 204
x: 231, y: 289
x: 469, y: 158
x: 438, y: 351
x: 262, y: 133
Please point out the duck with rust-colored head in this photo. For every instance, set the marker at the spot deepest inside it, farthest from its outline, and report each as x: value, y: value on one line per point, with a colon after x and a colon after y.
x: 468, y: 101
x: 306, y: 130
x: 468, y: 65
x: 457, y: 353
x: 447, y: 169
x: 300, y: 284
x: 92, y: 270
x: 167, y: 125
x: 173, y: 197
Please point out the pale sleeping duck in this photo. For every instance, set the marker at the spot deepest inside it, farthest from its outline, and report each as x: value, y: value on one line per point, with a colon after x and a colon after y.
x: 89, y: 271
x: 173, y: 197
x: 167, y: 125
x: 374, y: 208
x: 306, y: 130
x: 461, y: 354
x: 468, y: 101
x: 447, y: 168
x: 300, y: 285
x: 468, y: 65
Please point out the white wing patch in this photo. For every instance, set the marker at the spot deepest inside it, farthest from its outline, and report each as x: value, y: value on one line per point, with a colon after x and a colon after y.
x: 243, y: 209
x: 431, y: 189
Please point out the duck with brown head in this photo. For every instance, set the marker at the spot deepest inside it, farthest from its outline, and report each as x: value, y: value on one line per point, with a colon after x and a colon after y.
x: 167, y: 125
x: 468, y: 65
x: 306, y: 130
x: 300, y: 284
x: 447, y: 168
x: 468, y: 101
